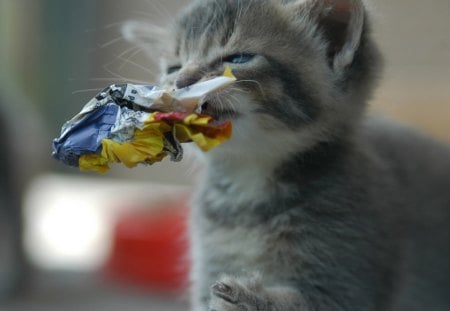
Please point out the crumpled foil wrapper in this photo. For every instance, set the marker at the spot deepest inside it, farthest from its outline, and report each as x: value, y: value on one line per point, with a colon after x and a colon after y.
x: 133, y: 124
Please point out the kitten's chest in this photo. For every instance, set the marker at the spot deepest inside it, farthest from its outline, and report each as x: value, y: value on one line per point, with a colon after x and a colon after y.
x: 235, y: 247
x: 248, y: 250
x: 237, y: 223
x: 236, y: 237
x: 233, y: 193
x: 237, y: 187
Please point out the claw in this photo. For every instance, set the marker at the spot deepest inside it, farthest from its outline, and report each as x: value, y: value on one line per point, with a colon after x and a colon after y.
x: 223, y: 291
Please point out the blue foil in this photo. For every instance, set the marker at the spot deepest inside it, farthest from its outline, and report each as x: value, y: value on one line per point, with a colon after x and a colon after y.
x: 86, y: 135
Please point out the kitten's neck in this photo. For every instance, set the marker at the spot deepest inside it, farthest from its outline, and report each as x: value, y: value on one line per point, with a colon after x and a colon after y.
x: 247, y: 191
x: 242, y: 167
x: 243, y: 181
x: 255, y: 174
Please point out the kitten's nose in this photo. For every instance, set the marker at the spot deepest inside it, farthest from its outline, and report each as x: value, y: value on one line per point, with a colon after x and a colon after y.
x: 188, y: 76
x: 186, y: 81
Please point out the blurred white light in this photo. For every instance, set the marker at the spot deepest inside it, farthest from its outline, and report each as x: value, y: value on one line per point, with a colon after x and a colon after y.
x: 64, y: 225
x: 69, y: 220
x: 69, y: 228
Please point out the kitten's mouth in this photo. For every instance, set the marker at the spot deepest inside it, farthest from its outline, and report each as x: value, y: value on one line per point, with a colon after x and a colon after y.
x: 219, y: 113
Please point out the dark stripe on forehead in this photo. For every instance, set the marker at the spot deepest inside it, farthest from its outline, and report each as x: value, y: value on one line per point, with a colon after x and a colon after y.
x: 209, y: 22
x: 298, y: 106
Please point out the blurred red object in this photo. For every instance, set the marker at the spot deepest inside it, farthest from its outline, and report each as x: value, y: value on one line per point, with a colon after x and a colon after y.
x: 150, y: 246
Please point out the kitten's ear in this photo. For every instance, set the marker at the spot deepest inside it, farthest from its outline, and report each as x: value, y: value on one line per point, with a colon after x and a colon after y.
x: 341, y: 22
x: 153, y: 39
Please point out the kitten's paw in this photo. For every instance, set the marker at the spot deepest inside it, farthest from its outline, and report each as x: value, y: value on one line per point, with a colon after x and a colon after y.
x: 225, y: 292
x: 233, y: 294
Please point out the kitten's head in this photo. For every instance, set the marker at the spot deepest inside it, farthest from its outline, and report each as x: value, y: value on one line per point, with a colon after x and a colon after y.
x: 304, y: 69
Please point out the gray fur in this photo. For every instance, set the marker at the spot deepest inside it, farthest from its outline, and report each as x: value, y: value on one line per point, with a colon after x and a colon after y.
x: 311, y: 205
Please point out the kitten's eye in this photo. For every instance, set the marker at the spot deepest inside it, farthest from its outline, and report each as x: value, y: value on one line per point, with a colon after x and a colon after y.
x: 239, y: 58
x: 173, y: 69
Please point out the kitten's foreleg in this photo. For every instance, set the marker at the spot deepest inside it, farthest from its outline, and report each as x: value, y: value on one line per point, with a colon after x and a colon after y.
x: 235, y: 294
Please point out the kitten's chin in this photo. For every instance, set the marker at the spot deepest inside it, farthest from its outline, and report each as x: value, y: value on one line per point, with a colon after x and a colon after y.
x: 252, y: 141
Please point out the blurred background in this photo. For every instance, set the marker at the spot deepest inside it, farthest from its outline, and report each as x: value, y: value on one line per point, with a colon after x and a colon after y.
x: 76, y: 241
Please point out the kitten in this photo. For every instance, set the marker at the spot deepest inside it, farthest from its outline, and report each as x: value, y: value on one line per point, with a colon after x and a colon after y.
x: 311, y: 205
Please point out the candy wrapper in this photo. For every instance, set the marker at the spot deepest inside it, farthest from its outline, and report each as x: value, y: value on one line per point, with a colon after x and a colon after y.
x: 132, y: 124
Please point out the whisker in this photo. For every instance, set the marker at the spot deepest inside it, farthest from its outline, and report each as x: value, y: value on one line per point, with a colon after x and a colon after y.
x: 86, y: 91
x: 219, y: 105
x: 116, y: 75
x: 257, y: 83
x: 230, y: 104
x: 111, y: 42
x: 236, y: 89
x: 160, y: 10
x: 139, y: 50
x: 111, y: 25
x: 128, y: 61
x: 235, y: 99
x: 191, y: 170
x: 122, y: 78
x: 118, y: 57
x: 222, y: 104
x: 102, y: 79
x: 144, y: 14
x: 136, y: 47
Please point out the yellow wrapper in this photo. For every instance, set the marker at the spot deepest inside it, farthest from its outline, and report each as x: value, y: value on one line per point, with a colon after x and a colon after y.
x: 148, y: 144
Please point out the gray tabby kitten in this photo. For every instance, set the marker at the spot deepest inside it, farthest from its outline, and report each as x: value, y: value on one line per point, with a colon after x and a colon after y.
x: 311, y: 205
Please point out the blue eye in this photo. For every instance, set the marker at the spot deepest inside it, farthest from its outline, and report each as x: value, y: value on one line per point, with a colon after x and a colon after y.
x: 240, y: 58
